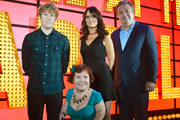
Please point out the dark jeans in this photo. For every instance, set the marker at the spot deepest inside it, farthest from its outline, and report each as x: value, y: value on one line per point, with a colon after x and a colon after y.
x: 134, y: 103
x: 36, y: 106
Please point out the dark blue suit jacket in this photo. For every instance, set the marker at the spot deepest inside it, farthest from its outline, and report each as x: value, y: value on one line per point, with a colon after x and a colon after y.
x: 138, y: 62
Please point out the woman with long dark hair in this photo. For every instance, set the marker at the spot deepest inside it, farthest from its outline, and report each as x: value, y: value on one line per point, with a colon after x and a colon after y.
x: 95, y: 45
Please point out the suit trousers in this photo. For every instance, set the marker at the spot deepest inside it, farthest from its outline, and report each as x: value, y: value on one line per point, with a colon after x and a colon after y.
x: 134, y: 102
x: 36, y: 106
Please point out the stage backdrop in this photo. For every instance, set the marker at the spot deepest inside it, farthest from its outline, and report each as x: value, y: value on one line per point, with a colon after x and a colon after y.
x: 19, y: 17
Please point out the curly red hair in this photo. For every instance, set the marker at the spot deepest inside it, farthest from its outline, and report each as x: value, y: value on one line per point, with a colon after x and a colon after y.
x: 78, y: 69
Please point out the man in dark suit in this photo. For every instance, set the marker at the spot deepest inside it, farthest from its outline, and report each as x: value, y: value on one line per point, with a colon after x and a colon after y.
x: 136, y: 63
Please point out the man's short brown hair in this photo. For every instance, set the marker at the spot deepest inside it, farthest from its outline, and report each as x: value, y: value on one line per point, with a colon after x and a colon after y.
x: 48, y: 7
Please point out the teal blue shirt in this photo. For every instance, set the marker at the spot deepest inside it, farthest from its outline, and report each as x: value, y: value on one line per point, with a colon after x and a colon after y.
x: 86, y: 113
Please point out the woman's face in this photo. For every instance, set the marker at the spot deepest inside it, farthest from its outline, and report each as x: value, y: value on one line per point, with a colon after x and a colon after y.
x: 81, y: 80
x: 91, y: 21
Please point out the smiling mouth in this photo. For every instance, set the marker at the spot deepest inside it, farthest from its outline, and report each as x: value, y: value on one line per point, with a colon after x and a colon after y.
x: 91, y: 22
x: 82, y: 84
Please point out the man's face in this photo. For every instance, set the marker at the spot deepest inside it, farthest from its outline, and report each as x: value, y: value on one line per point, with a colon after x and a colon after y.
x: 47, y: 20
x: 126, y: 14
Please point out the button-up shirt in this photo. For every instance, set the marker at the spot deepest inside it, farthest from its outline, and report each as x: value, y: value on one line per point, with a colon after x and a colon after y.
x: 124, y: 35
x: 45, y: 59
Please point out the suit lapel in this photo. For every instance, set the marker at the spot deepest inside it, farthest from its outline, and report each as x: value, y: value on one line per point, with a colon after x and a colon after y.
x: 118, y: 43
x: 133, y: 33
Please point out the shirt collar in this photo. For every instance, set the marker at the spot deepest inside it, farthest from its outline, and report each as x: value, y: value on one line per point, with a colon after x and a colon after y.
x: 42, y: 33
x: 132, y: 26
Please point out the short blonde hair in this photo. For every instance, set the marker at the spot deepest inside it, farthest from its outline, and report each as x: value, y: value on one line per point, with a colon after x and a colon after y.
x: 48, y: 7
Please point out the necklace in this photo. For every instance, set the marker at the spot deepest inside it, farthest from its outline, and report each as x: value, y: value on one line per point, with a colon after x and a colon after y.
x: 92, y: 33
x: 79, y: 100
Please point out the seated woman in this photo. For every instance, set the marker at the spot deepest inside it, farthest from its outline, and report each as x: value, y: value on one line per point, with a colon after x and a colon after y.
x: 82, y: 102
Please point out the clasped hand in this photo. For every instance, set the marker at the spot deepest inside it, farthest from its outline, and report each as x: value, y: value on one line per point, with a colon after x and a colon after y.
x: 149, y: 86
x: 61, y: 116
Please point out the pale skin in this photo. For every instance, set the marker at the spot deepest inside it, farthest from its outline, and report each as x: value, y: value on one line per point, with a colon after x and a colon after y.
x: 92, y: 23
x: 47, y: 22
x: 100, y: 110
x: 126, y: 17
x: 82, y: 83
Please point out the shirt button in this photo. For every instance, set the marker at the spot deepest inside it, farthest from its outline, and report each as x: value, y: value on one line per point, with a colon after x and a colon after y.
x: 47, y: 38
x: 43, y: 82
x: 45, y: 63
x: 46, y: 45
x: 44, y: 73
x: 46, y: 55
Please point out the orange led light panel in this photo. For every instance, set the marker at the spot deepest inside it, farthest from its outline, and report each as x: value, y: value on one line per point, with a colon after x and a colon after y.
x: 167, y: 90
x: 81, y: 3
x: 166, y: 11
x: 11, y: 79
x: 137, y: 8
x: 177, y: 12
x: 110, y: 4
x: 110, y: 28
